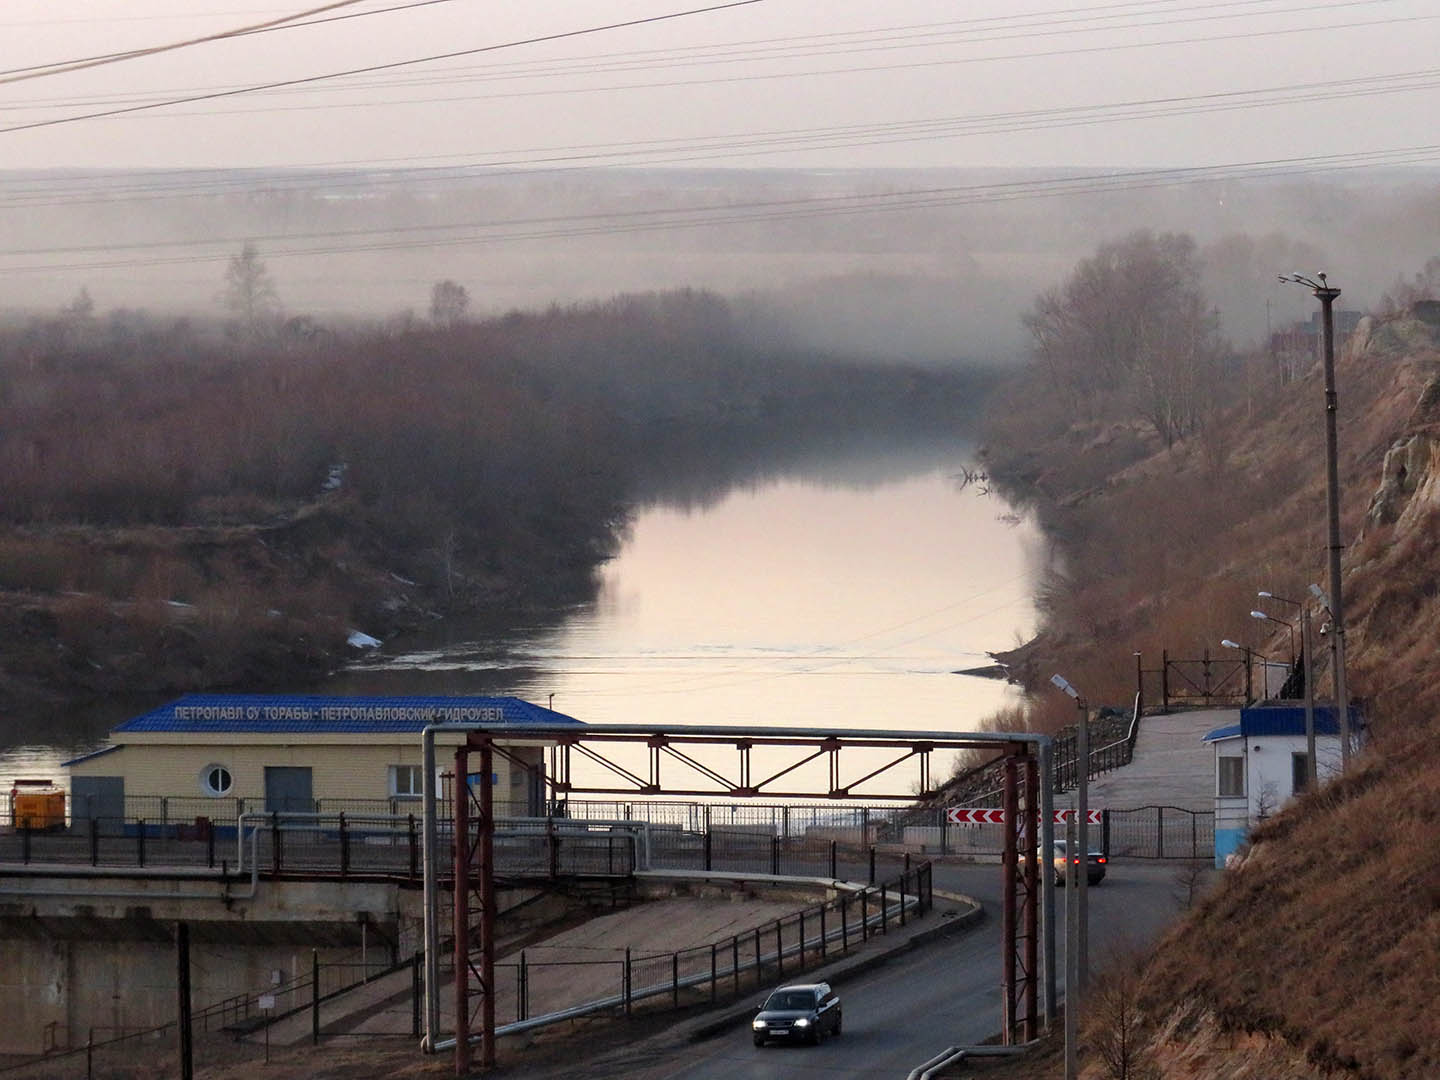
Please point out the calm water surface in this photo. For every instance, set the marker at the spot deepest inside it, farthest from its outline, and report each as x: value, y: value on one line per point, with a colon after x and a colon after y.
x: 794, y: 602
x: 842, y: 601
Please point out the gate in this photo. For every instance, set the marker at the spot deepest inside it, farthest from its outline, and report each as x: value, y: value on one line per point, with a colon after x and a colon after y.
x: 1160, y: 832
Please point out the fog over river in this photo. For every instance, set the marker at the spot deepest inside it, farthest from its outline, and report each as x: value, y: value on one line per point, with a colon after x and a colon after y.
x: 846, y: 595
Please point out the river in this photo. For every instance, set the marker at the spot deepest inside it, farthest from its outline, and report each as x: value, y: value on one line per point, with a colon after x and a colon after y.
x: 842, y: 595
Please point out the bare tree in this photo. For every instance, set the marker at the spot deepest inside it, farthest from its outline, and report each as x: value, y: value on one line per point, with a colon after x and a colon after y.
x: 81, y: 308
x: 1114, y: 1030
x: 1190, y: 881
x: 448, y: 301
x: 249, y: 291
x: 1404, y: 293
x: 1131, y: 325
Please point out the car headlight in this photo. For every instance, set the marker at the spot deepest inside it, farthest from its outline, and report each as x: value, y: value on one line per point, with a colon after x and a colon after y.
x: 802, y: 1022
x: 758, y: 1025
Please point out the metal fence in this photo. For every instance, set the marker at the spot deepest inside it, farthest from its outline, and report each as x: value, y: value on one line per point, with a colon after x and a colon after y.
x: 696, y: 836
x: 717, y: 970
x: 111, y: 1052
x: 532, y: 989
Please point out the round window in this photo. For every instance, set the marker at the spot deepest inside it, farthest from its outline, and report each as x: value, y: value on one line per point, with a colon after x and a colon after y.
x: 215, y: 780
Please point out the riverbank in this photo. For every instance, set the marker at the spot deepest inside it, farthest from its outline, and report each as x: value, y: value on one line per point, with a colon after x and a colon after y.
x: 199, y: 514
x: 1165, y: 547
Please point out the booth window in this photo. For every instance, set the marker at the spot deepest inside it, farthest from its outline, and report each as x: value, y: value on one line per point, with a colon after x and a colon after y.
x: 216, y: 780
x: 407, y: 781
x: 1230, y: 772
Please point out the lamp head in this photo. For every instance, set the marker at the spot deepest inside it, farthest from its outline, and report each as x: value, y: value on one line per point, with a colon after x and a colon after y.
x: 1259, y: 615
x: 1231, y: 644
x: 1060, y: 682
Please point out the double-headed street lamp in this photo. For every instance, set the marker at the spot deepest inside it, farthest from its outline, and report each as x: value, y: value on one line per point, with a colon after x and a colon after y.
x: 1307, y: 669
x: 1327, y: 294
x: 1288, y: 626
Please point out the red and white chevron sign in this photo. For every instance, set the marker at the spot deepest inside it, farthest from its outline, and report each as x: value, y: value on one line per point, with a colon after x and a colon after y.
x: 964, y: 815
x: 958, y: 815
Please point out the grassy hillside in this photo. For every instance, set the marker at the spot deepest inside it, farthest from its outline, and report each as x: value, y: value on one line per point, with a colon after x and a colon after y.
x: 1320, y: 955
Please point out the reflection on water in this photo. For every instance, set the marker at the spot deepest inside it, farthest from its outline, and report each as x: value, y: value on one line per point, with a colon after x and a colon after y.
x: 791, y: 603
x: 33, y: 747
x: 846, y: 599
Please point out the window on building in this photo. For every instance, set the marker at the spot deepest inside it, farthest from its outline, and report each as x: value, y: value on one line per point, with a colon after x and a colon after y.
x: 1230, y: 773
x: 1299, y: 773
x: 216, y: 780
x: 407, y: 781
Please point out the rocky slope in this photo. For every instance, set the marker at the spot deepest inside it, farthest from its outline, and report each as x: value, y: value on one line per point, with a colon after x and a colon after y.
x: 1320, y: 954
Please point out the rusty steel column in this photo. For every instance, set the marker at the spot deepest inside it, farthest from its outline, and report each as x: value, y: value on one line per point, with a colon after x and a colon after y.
x: 486, y: 860
x: 1030, y: 836
x: 1007, y: 903
x: 462, y: 913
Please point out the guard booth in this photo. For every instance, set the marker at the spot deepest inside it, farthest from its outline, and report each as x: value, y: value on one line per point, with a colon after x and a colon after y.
x: 1261, y: 765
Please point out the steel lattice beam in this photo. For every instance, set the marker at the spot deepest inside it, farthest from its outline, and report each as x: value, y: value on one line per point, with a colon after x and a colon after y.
x: 474, y: 898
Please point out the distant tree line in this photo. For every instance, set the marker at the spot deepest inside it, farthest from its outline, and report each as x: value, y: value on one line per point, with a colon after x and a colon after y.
x: 512, y: 446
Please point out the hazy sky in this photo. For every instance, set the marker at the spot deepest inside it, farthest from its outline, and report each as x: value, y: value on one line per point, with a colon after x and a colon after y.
x: 768, y: 83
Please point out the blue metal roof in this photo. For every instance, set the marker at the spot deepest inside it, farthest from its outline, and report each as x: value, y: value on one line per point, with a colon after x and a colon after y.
x: 313, y: 715
x: 87, y: 757
x: 1262, y: 720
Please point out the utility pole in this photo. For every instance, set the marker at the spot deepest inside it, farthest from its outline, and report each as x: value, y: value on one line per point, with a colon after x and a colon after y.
x: 1312, y: 776
x: 1072, y: 953
x: 182, y: 994
x: 1327, y: 294
x: 1080, y: 856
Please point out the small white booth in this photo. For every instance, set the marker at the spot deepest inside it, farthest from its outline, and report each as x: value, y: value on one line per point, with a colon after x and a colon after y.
x: 1260, y: 765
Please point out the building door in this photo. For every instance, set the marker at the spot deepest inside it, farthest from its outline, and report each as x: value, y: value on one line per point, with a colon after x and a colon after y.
x: 288, y: 790
x: 98, y: 798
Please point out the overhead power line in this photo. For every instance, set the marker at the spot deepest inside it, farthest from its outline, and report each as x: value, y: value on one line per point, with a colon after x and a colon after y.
x: 392, y: 65
x: 754, y: 212
x: 63, y: 67
x: 885, y: 39
x: 46, y: 191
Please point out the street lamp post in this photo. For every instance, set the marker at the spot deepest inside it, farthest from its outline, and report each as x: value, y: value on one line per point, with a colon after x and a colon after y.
x: 1289, y: 626
x: 1327, y: 294
x: 1249, y: 665
x: 1307, y: 667
x: 1082, y: 812
x: 1077, y: 839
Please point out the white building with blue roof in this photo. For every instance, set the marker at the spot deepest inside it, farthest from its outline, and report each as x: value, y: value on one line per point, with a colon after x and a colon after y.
x: 215, y: 755
x: 1261, y: 763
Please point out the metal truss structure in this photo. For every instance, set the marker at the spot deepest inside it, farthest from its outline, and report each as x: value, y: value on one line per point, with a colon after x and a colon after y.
x: 675, y: 768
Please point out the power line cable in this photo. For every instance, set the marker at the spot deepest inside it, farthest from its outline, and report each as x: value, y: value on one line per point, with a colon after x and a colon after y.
x: 603, y: 224
x: 659, y: 151
x: 567, y: 67
x: 63, y: 67
x: 392, y: 65
x: 712, y: 213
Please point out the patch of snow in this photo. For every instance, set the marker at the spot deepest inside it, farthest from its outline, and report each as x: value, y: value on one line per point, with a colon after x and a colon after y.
x: 360, y: 640
x: 335, y: 477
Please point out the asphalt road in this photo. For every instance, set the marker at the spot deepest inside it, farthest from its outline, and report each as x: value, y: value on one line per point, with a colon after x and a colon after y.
x: 913, y: 1007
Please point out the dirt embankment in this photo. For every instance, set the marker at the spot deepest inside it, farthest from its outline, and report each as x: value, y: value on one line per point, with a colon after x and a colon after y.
x: 1320, y: 955
x: 267, y: 604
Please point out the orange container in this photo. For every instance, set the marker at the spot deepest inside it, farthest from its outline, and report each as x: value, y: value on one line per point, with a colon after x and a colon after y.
x: 37, y: 804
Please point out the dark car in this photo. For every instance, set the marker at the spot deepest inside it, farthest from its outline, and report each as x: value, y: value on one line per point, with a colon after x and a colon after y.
x: 803, y: 1012
x: 1060, y: 865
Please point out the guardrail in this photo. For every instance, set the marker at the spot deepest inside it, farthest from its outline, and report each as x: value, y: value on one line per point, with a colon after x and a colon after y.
x: 718, y: 968
x: 322, y: 845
